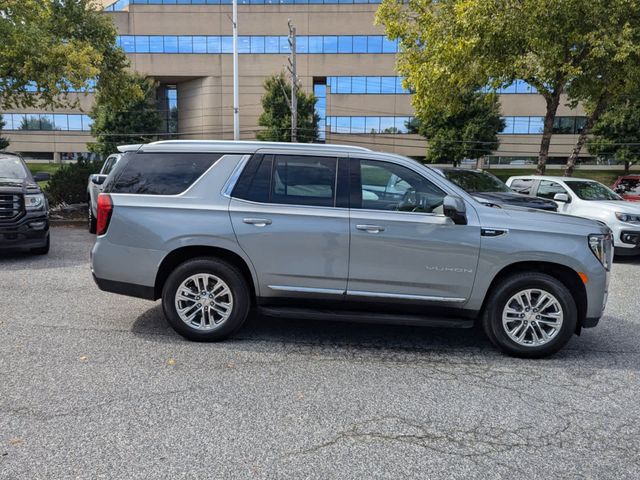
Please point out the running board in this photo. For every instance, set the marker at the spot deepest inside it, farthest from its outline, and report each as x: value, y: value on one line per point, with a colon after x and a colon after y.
x: 366, y: 317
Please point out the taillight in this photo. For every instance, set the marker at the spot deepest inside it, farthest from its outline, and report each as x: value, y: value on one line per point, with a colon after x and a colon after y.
x: 105, y: 209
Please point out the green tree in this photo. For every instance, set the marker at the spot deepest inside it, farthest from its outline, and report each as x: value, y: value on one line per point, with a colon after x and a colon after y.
x: 4, y: 142
x: 276, y: 115
x: 56, y: 47
x: 616, y: 135
x: 470, y: 132
x: 131, y: 120
x: 581, y: 49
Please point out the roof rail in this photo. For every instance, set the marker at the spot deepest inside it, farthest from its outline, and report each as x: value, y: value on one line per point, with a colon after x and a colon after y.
x: 256, y: 145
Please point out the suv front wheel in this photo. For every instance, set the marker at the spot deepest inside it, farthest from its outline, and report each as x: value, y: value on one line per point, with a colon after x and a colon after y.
x: 530, y: 315
x: 206, y: 299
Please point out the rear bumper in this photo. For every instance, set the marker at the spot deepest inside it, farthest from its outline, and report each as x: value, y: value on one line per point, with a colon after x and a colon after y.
x: 128, y: 289
x: 31, y: 231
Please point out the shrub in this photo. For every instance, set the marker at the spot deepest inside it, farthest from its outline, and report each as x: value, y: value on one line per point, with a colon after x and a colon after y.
x: 69, y: 183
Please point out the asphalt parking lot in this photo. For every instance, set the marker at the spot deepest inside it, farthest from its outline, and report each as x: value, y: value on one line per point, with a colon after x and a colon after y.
x: 94, y: 385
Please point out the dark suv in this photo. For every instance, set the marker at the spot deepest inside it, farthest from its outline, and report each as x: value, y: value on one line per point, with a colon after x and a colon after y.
x: 24, y: 211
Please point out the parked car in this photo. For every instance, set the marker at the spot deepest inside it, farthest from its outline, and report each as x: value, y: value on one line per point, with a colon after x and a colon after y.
x: 628, y: 187
x: 94, y: 188
x: 24, y: 211
x: 300, y: 230
x: 589, y: 199
x: 487, y: 188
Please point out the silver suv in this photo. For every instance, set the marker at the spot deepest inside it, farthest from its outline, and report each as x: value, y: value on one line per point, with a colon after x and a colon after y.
x: 216, y: 228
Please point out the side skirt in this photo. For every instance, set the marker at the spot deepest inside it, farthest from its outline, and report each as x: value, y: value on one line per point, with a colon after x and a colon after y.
x: 366, y: 317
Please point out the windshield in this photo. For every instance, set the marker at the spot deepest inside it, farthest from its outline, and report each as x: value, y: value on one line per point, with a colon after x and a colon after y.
x: 631, y: 185
x: 591, y: 190
x: 471, y: 181
x: 13, y: 168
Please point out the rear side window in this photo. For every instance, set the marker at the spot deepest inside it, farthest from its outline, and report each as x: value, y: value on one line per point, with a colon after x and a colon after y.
x: 522, y: 185
x: 289, y: 179
x: 304, y: 180
x: 159, y: 173
x: 255, y: 181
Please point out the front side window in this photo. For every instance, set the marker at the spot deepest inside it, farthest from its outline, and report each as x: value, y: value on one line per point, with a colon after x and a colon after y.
x: 592, y: 190
x: 391, y: 187
x: 302, y: 180
x: 548, y: 189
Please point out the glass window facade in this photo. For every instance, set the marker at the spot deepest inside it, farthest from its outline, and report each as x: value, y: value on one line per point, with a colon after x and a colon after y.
x: 367, y: 85
x: 535, y: 125
x: 123, y: 4
x: 47, y: 121
x: 355, y: 125
x: 257, y: 44
x: 400, y: 124
x: 320, y: 92
x: 519, y: 87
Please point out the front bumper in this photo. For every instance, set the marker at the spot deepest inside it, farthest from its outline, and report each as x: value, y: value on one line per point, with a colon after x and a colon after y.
x: 627, y: 242
x: 30, y: 231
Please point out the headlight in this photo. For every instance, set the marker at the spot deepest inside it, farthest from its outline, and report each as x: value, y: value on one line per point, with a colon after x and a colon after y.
x: 628, y: 217
x: 34, y: 202
x: 600, y: 245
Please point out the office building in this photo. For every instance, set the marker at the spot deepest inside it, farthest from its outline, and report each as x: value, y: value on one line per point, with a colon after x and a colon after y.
x: 346, y: 60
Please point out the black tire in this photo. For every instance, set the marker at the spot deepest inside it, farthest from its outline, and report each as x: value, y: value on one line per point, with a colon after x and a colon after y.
x: 226, y: 272
x: 44, y: 249
x: 93, y: 221
x: 492, y: 318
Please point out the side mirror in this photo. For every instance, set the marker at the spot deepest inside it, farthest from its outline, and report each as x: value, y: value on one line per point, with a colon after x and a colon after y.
x: 98, y: 179
x: 620, y: 189
x: 562, y: 197
x: 454, y: 208
x: 42, y: 177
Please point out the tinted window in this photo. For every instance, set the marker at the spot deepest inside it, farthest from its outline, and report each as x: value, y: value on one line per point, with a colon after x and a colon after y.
x: 159, y: 173
x: 592, y: 190
x: 548, y: 189
x: 304, y: 180
x: 522, y: 185
x: 108, y: 166
x: 255, y: 181
x: 476, y: 181
x: 387, y: 186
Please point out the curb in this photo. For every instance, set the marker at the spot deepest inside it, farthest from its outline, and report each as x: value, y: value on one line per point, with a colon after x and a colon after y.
x: 67, y: 223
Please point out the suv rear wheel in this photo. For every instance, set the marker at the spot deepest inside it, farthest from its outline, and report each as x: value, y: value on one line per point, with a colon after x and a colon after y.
x: 530, y: 315
x: 206, y: 299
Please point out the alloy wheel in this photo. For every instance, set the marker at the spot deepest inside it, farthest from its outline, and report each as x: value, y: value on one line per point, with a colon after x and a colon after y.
x: 204, y: 301
x: 532, y: 317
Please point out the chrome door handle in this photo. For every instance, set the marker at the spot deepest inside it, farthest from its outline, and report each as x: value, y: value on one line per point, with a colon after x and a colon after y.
x: 370, y: 228
x: 258, y: 222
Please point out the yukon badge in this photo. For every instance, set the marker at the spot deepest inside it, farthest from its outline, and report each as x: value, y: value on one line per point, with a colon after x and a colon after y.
x: 448, y: 269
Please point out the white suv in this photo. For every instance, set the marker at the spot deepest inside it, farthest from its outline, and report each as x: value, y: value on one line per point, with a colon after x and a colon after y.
x: 588, y: 199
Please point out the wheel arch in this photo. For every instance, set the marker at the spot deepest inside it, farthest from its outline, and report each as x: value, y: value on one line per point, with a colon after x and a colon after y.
x: 182, y: 254
x: 566, y: 275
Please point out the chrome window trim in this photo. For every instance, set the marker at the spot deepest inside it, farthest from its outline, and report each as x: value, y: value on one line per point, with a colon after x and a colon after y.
x: 336, y: 291
x: 328, y: 291
x: 405, y: 296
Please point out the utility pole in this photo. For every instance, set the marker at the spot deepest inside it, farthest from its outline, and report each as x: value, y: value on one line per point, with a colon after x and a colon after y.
x: 294, y: 82
x: 236, y: 97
